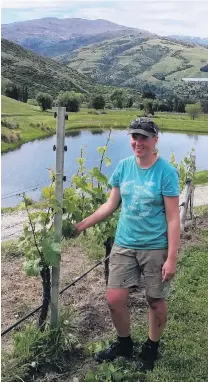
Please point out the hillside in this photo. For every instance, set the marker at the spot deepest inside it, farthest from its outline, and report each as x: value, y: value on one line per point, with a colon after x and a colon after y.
x: 24, y: 67
x: 190, y: 40
x: 133, y: 61
x: 52, y: 36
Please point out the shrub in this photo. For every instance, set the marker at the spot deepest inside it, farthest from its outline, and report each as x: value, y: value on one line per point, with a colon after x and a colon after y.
x: 148, y: 106
x: 9, y: 137
x: 98, y: 102
x: 44, y: 100
x: 70, y: 100
x: 9, y: 124
x: 194, y: 110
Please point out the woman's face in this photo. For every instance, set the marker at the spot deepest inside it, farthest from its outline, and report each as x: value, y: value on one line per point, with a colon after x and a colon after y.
x: 143, y: 146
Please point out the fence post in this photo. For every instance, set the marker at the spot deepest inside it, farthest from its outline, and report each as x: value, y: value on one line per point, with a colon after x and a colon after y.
x: 185, y: 205
x: 60, y: 138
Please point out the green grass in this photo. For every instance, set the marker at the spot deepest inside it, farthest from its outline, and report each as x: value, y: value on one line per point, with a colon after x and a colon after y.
x: 25, y: 114
x: 9, y: 248
x: 201, y: 177
x: 184, y: 345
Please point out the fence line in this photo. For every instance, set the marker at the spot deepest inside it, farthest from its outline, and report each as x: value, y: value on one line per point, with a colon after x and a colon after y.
x: 20, y: 192
x: 60, y: 293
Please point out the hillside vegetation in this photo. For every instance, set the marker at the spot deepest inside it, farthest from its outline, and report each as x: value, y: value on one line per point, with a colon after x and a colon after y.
x: 39, y: 74
x: 132, y: 61
x: 22, y: 66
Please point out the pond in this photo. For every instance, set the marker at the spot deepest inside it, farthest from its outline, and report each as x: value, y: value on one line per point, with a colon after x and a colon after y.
x: 27, y: 167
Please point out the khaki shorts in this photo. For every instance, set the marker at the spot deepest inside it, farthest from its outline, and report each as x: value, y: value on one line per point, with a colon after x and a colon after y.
x: 127, y: 265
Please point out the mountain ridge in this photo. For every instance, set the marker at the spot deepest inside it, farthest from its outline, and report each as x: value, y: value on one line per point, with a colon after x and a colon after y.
x: 41, y: 35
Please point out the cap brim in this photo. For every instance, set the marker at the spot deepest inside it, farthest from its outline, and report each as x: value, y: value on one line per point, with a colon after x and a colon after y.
x: 140, y: 131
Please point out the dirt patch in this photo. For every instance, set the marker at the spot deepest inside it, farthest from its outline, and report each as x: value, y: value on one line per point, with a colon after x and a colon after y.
x: 21, y: 294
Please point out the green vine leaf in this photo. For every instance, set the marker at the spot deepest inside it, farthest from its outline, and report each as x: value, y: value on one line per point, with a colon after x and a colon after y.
x: 32, y: 267
x: 102, y: 150
x: 107, y: 161
x: 99, y: 176
x: 51, y: 252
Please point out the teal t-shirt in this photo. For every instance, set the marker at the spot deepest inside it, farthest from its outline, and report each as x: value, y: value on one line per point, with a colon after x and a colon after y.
x: 142, y: 222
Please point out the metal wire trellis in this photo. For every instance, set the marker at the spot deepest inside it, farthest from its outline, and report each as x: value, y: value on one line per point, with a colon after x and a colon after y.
x: 60, y: 293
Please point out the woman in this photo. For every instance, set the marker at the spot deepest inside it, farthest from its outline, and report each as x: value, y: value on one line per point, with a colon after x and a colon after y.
x: 146, y: 242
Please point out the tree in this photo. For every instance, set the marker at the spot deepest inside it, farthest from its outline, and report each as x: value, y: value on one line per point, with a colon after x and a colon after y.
x: 148, y: 94
x: 24, y: 94
x: 163, y: 106
x: 194, y: 110
x: 148, y: 106
x: 130, y: 102
x: 117, y: 98
x: 181, y: 106
x: 44, y: 100
x: 70, y: 100
x: 204, y: 105
x: 98, y: 102
x: 178, y: 105
x: 12, y: 91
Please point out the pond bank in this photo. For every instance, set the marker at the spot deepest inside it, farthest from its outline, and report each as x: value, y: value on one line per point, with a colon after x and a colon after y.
x: 12, y: 223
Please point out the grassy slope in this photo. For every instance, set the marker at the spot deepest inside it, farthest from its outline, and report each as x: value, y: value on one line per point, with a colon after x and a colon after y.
x: 39, y: 73
x: 128, y: 60
x: 26, y: 114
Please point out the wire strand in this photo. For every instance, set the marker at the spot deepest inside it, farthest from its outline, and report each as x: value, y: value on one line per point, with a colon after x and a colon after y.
x: 60, y: 293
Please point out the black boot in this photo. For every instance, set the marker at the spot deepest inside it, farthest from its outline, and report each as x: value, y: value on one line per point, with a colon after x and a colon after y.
x: 120, y: 348
x: 148, y: 356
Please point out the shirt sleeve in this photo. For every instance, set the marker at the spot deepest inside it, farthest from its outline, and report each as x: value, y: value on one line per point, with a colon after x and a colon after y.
x: 171, y: 184
x: 115, y: 178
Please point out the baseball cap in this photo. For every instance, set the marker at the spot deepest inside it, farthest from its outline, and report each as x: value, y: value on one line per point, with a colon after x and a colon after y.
x: 144, y: 126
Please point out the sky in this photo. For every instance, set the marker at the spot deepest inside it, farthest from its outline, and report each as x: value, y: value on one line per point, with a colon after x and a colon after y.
x: 160, y: 17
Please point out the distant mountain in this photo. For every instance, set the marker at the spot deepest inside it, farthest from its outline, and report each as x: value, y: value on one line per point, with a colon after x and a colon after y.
x: 100, y: 50
x: 190, y: 40
x: 134, y: 61
x: 52, y: 36
x: 24, y: 67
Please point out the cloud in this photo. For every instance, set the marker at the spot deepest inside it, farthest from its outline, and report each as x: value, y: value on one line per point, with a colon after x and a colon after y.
x: 161, y: 17
x: 170, y: 17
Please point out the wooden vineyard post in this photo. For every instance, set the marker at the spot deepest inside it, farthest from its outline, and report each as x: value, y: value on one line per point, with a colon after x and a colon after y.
x: 184, y: 207
x: 60, y: 139
x: 188, y: 197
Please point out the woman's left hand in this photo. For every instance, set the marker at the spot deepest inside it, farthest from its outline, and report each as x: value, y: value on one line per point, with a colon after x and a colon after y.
x: 168, y: 269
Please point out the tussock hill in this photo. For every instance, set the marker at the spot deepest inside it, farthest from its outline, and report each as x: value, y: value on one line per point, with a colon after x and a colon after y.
x: 133, y: 60
x: 24, y: 67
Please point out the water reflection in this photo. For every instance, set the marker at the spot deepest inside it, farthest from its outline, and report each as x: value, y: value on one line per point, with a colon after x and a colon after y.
x: 73, y: 133
x: 97, y: 132
x: 192, y: 136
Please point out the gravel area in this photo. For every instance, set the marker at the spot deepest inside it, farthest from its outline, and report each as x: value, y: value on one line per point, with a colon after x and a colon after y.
x: 12, y: 223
